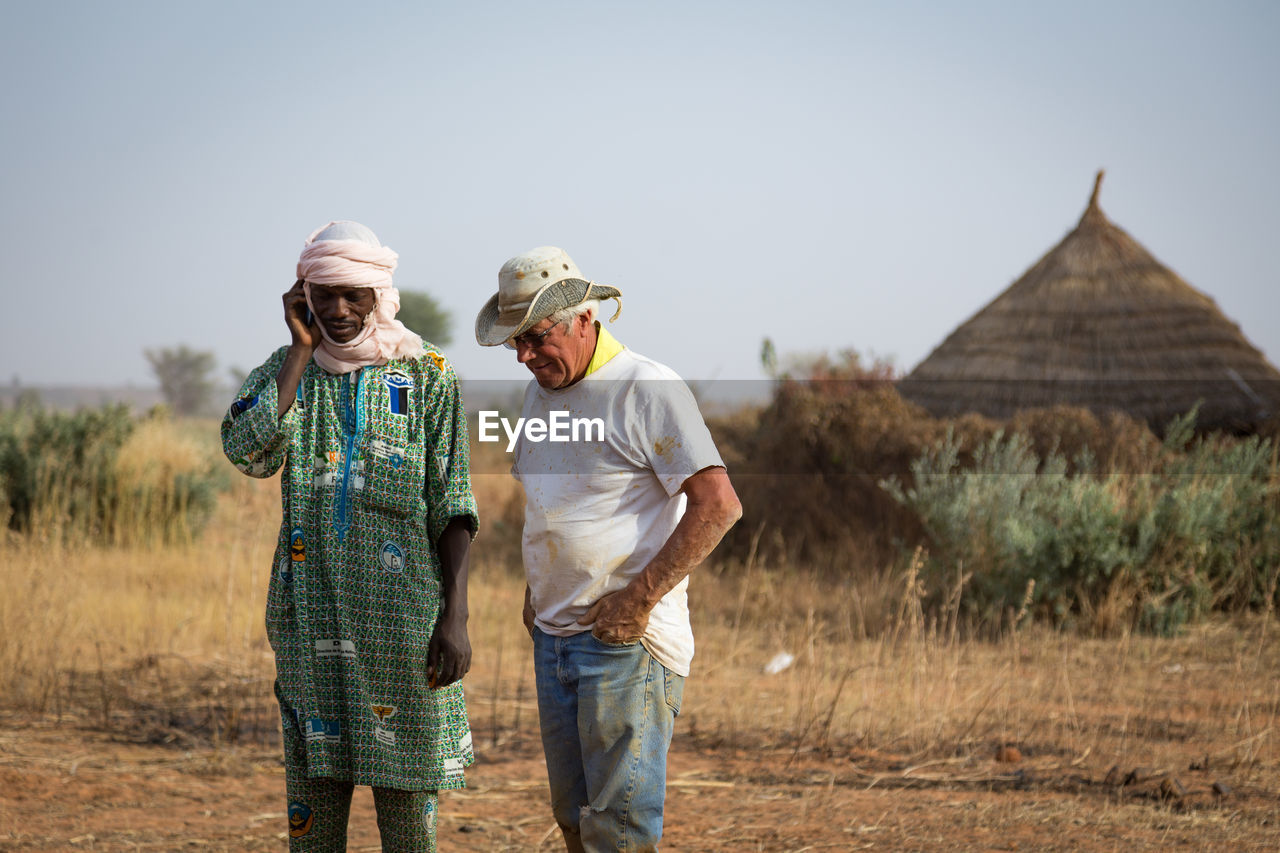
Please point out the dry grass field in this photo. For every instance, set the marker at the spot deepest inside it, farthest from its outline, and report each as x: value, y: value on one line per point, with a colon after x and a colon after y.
x: 137, y: 712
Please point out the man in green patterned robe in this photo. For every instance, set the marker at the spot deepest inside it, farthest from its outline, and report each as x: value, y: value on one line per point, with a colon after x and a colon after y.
x: 367, y: 607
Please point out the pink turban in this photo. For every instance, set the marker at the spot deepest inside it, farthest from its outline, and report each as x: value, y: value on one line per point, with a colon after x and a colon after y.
x: 347, y: 254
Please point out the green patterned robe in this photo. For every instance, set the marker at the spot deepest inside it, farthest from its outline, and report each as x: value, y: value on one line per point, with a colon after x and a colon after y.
x: 375, y: 464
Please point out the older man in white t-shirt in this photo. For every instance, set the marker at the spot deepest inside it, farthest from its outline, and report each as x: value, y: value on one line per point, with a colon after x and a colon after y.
x: 617, y: 515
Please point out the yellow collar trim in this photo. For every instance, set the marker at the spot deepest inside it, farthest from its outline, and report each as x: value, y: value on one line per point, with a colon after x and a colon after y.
x: 607, y: 347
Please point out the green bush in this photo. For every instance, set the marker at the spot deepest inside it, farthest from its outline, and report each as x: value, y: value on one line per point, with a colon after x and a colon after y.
x: 1215, y: 538
x: 77, y: 477
x: 1195, y: 532
x: 58, y: 469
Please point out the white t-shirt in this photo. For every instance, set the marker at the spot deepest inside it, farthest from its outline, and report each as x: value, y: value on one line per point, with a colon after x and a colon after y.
x: 597, y: 511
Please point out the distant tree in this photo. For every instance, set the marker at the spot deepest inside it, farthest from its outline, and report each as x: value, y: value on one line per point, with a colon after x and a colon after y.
x: 769, y: 358
x: 422, y: 314
x: 185, y: 377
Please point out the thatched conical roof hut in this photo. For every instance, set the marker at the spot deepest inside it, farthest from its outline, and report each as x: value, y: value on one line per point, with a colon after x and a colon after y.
x: 1100, y: 323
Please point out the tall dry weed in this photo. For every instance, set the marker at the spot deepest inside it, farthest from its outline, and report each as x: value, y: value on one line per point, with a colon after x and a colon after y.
x: 500, y: 500
x: 143, y: 634
x: 926, y: 691
x: 165, y: 481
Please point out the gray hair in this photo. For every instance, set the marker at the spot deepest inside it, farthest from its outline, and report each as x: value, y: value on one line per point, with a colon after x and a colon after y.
x: 565, y: 315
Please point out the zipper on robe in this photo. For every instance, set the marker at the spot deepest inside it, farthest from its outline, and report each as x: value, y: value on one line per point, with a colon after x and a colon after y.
x: 352, y: 428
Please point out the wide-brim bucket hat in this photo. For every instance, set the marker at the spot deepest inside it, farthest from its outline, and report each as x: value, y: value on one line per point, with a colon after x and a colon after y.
x: 531, y: 287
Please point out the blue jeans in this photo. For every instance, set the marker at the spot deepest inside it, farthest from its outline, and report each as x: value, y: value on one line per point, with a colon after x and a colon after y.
x: 607, y: 713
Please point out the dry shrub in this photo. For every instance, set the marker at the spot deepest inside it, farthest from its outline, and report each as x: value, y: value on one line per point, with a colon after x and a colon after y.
x: 166, y: 477
x: 808, y: 466
x: 1115, y: 441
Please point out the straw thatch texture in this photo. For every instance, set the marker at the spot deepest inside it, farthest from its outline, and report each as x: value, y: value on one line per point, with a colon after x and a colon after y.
x: 1100, y: 323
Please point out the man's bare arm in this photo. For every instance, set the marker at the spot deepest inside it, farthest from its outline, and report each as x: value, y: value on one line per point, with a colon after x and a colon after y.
x: 712, y: 509
x: 449, y: 650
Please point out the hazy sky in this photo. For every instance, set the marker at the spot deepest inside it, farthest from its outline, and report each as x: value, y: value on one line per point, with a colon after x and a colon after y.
x: 830, y: 174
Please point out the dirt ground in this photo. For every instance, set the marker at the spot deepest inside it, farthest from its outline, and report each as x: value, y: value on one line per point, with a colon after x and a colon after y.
x: 67, y: 787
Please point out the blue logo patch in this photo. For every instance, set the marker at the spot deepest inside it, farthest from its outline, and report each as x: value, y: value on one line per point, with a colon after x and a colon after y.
x: 301, y: 819
x: 285, y: 570
x: 298, y: 545
x: 326, y: 730
x: 244, y: 404
x: 398, y: 387
x: 392, y: 557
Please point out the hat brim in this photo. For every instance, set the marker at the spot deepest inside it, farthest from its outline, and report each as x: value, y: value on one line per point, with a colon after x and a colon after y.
x: 565, y: 293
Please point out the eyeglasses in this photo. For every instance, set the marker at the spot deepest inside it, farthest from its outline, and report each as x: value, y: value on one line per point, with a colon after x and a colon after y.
x: 529, y: 339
